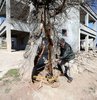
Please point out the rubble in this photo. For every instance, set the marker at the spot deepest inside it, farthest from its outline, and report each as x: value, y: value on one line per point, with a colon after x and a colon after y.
x: 85, y: 61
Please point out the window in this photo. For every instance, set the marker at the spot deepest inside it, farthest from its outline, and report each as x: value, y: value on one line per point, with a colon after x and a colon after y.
x: 64, y: 32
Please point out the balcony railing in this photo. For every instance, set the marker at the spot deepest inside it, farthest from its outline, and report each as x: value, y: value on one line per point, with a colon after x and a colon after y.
x: 3, y: 27
x: 87, y: 29
x: 20, y: 26
x: 15, y: 25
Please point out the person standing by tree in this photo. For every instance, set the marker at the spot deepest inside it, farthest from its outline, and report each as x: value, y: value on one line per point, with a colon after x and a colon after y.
x: 41, y: 57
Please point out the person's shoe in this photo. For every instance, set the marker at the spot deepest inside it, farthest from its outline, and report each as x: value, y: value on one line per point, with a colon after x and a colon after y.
x: 33, y: 79
x: 69, y: 78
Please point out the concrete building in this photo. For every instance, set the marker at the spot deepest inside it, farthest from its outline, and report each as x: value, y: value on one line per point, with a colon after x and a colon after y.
x: 88, y: 27
x: 13, y: 32
x: 80, y: 23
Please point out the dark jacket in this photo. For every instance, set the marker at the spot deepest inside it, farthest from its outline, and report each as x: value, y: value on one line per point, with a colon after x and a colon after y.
x: 44, y: 56
x: 67, y: 53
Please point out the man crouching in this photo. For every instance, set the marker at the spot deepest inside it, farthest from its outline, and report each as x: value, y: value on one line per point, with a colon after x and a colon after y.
x: 66, y: 57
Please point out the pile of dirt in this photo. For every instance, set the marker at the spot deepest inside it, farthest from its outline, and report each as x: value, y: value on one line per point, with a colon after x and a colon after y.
x: 86, y: 61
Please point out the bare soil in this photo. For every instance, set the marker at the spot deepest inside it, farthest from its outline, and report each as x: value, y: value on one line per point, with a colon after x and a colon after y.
x: 83, y: 86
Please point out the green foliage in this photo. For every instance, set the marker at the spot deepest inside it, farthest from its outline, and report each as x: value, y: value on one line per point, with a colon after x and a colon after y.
x: 12, y: 73
x: 7, y: 90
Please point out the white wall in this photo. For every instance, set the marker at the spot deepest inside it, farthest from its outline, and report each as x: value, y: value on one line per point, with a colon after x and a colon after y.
x: 91, y: 43
x: 72, y: 25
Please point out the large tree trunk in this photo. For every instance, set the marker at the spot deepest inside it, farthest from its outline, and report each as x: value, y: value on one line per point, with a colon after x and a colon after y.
x: 28, y: 62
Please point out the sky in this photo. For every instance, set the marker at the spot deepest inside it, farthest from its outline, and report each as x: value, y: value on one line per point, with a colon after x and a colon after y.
x: 94, y: 6
x: 1, y: 19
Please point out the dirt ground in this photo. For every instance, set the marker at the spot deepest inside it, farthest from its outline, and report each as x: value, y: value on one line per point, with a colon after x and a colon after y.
x: 9, y: 60
x: 83, y: 86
